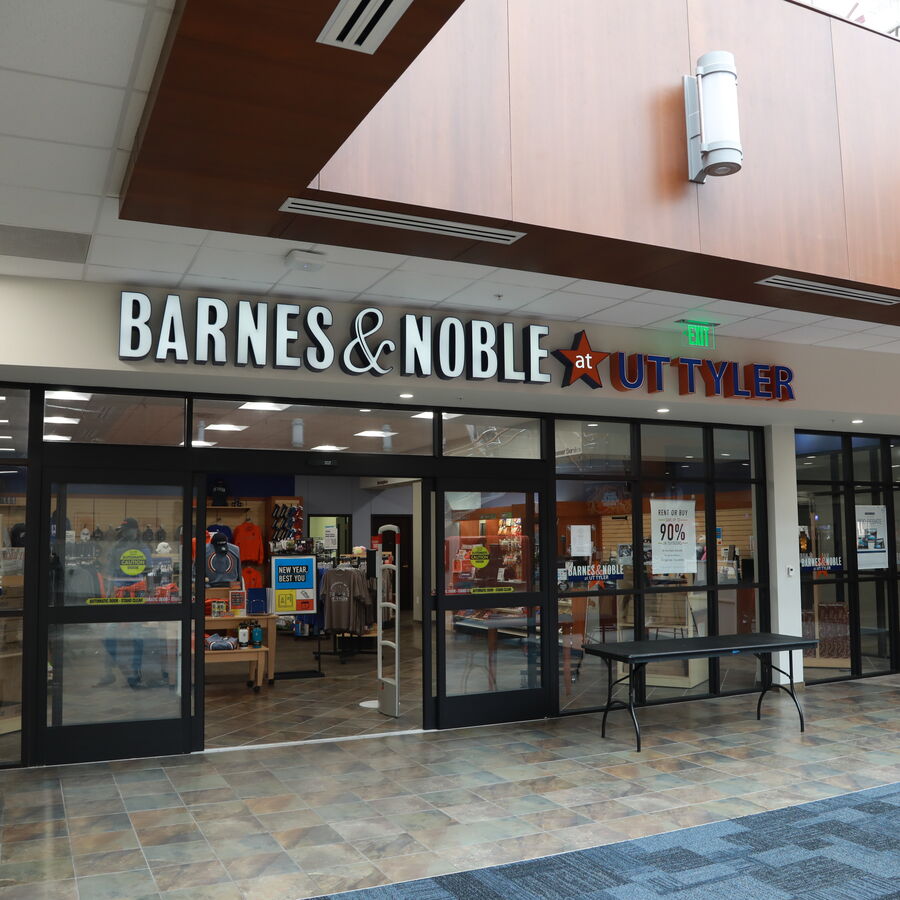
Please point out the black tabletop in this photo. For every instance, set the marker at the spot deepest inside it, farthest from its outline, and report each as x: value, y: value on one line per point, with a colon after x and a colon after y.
x: 698, y: 647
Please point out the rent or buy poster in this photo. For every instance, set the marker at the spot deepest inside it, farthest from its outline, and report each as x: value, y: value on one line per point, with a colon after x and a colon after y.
x: 871, y: 537
x: 673, y: 537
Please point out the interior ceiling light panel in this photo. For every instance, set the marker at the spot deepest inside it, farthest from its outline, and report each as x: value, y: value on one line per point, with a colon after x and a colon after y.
x: 828, y: 290
x: 399, y: 220
x: 362, y: 25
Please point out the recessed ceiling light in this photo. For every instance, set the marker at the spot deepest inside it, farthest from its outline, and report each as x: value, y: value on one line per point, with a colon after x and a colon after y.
x: 372, y: 433
x: 6, y: 437
x: 9, y: 472
x: 807, y: 464
x: 663, y: 409
x: 67, y: 395
x: 225, y: 426
x: 810, y: 457
x: 746, y: 464
x: 203, y: 443
x: 58, y: 420
x: 406, y: 396
x: 896, y: 466
x: 592, y: 425
x: 54, y: 437
x: 6, y: 421
x: 430, y: 415
x: 726, y: 454
x: 856, y: 421
x: 329, y: 448
x: 365, y: 410
x: 689, y: 457
x: 3, y: 398
x: 264, y: 406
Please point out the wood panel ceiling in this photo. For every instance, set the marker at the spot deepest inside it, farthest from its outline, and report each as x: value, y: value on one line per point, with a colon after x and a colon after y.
x: 246, y: 110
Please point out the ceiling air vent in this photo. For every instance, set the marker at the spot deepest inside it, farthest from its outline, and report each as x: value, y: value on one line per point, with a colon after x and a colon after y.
x: 399, y: 220
x: 362, y: 24
x: 829, y: 290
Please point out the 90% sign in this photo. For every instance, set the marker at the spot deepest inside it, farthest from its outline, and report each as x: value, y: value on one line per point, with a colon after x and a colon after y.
x: 672, y: 531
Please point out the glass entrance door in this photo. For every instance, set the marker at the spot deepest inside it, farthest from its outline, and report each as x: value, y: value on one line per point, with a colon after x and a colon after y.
x: 115, y: 617
x: 491, y: 602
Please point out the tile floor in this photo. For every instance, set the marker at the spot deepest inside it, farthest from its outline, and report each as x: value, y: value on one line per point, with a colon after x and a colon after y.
x: 293, y: 822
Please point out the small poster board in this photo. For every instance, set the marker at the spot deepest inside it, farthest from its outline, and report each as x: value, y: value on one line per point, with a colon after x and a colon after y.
x: 330, y: 538
x: 294, y: 584
x: 237, y: 601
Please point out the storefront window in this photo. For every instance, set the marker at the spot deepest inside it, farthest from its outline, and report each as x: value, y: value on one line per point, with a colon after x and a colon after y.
x: 738, y: 610
x: 491, y: 437
x: 674, y: 535
x: 735, y: 456
x: 736, y: 551
x: 74, y: 416
x: 866, y: 459
x: 267, y: 425
x: 593, y: 447
x: 13, y: 424
x: 820, y: 514
x: 594, y: 536
x: 825, y: 611
x: 676, y: 614
x: 672, y: 451
x: 585, y: 620
x: 491, y: 650
x: 490, y: 542
x: 874, y: 627
x: 819, y: 457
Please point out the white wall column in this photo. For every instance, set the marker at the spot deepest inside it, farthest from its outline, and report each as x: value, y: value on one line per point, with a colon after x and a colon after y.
x: 783, y: 541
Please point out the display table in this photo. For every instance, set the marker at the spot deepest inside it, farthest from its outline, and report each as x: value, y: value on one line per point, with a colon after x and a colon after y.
x: 231, y: 623
x: 637, y: 654
x: 255, y: 656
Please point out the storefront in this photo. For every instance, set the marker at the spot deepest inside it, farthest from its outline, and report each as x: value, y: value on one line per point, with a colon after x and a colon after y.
x: 560, y: 517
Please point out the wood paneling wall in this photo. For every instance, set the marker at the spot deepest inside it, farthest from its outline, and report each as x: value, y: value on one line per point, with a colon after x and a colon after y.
x: 586, y: 134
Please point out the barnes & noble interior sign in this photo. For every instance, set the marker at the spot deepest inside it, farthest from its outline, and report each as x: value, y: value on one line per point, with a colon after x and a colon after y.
x: 289, y: 336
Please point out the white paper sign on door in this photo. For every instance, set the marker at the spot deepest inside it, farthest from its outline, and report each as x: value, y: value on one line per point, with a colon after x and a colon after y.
x: 871, y: 537
x: 580, y: 538
x: 673, y: 538
x: 330, y: 538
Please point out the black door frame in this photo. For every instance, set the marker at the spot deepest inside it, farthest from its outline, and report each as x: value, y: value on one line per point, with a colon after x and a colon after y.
x: 498, y: 706
x: 78, y: 743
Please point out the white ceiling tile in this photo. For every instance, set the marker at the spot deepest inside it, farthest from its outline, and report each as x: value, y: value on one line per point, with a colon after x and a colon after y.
x: 136, y: 277
x: 751, y: 328
x: 855, y: 341
x: 679, y: 301
x: 806, y: 334
x: 531, y: 279
x: 483, y: 295
x: 305, y: 294
x: 893, y: 347
x: 149, y: 53
x: 563, y: 305
x: 111, y: 225
x: 604, y: 289
x: 116, y: 174
x: 633, y: 312
x: 353, y: 256
x: 134, y: 109
x: 53, y: 109
x: 385, y: 300
x: 33, y: 208
x: 732, y: 307
x: 39, y: 268
x: 671, y: 321
x: 131, y: 253
x: 334, y: 276
x: 224, y: 285
x: 91, y: 40
x: 841, y: 324
x: 892, y: 331
x: 793, y: 315
x: 446, y: 267
x: 237, y: 265
x: 251, y: 243
x: 54, y: 167
x: 418, y: 286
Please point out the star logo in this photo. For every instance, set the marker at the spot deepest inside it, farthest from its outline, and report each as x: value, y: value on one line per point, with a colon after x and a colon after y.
x: 581, y: 362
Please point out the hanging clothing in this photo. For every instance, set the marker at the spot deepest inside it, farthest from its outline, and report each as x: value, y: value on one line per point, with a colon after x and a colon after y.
x: 252, y: 577
x: 222, y: 529
x: 345, y: 596
x: 248, y: 538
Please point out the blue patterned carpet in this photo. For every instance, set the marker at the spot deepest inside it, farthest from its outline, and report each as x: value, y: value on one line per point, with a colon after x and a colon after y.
x: 843, y: 848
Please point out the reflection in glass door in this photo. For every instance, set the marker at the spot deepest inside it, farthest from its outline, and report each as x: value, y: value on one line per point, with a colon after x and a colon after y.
x: 491, y: 603
x: 115, y: 618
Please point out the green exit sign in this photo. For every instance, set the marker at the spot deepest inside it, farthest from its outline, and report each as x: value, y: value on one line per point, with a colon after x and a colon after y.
x: 698, y: 334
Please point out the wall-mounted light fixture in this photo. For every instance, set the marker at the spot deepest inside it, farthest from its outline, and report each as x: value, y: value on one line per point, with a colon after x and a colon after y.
x: 711, y: 116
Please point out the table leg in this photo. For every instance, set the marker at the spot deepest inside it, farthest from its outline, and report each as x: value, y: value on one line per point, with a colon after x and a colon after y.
x: 768, y: 683
x: 608, y: 697
x: 637, y: 728
x: 271, y: 640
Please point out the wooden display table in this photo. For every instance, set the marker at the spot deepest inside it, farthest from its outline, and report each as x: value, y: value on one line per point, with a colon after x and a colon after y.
x: 231, y: 623
x: 256, y: 656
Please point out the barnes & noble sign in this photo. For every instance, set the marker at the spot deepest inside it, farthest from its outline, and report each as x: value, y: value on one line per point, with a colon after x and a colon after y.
x: 290, y: 336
